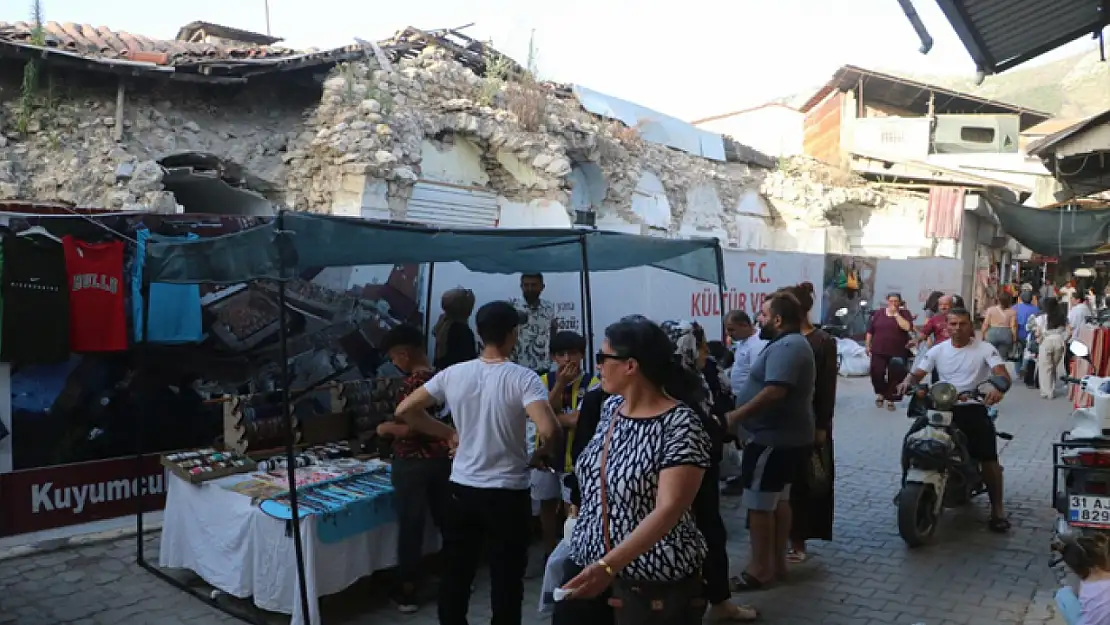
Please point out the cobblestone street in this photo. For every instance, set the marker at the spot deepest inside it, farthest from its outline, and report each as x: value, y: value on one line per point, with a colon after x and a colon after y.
x: 867, y: 576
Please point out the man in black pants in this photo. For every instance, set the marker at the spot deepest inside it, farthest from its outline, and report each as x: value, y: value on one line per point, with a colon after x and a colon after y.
x: 421, y: 467
x: 489, y: 502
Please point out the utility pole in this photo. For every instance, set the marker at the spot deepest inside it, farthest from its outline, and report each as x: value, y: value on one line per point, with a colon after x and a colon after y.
x: 266, y: 4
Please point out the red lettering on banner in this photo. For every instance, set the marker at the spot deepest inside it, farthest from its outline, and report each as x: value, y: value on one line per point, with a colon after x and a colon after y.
x: 709, y: 303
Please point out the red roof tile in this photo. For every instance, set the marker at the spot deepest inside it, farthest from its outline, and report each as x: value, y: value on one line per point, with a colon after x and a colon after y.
x: 102, y: 42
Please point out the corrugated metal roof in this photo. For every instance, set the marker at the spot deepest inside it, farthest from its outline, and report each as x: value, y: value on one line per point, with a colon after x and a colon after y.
x: 1000, y: 34
x: 1051, y: 126
x: 1043, y: 147
x: 913, y: 95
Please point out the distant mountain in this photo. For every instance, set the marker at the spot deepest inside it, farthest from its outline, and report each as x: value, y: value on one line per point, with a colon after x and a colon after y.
x: 1072, y: 87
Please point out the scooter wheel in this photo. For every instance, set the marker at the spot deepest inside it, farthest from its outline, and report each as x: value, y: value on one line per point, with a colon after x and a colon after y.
x: 917, y: 516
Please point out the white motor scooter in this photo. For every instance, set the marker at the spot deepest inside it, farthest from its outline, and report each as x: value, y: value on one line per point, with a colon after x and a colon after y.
x: 1081, y: 460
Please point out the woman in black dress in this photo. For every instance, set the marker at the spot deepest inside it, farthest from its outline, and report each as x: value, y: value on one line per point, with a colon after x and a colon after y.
x: 812, y: 499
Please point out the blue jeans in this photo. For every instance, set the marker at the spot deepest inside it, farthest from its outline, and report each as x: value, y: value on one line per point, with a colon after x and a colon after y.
x: 1068, y: 605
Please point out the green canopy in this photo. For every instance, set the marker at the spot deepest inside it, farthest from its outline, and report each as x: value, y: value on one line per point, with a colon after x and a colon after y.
x: 310, y: 241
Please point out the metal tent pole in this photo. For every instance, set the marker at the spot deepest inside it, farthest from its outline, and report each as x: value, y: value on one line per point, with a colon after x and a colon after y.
x: 428, y: 307
x: 587, y: 303
x: 141, y: 379
x: 290, y: 432
x: 720, y: 254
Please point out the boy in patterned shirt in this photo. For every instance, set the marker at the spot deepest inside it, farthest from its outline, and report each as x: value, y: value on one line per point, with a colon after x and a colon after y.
x: 421, y: 466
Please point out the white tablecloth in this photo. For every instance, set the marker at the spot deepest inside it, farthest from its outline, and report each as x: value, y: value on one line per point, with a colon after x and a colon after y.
x: 238, y: 549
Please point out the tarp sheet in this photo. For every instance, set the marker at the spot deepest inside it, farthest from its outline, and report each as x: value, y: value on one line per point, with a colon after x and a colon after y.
x: 310, y: 241
x: 1052, y: 232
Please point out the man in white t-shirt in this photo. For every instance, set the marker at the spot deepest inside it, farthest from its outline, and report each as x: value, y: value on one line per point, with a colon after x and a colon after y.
x: 967, y: 363
x: 491, y: 399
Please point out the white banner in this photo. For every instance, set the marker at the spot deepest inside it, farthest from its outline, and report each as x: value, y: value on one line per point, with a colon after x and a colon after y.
x: 656, y: 294
x: 916, y: 278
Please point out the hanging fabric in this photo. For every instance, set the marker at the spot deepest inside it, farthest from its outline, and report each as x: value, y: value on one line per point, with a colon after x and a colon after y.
x: 36, y: 302
x: 97, y: 312
x: 173, y: 313
x: 944, y: 216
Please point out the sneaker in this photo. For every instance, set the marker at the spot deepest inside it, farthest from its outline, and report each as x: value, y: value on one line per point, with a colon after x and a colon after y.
x: 405, y: 600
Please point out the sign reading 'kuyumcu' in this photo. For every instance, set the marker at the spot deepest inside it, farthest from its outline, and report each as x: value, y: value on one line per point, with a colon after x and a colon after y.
x: 38, y: 499
x: 46, y: 498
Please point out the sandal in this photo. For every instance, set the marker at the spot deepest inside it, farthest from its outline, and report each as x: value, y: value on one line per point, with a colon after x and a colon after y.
x: 795, y: 557
x: 878, y: 401
x: 890, y: 406
x: 732, y: 613
x: 999, y: 525
x: 746, y: 583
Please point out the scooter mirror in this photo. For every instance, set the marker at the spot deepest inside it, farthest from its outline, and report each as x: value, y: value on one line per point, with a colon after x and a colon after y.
x: 1079, y: 349
x: 840, y: 312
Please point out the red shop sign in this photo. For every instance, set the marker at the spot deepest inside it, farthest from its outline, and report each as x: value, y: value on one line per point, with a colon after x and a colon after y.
x: 70, y: 494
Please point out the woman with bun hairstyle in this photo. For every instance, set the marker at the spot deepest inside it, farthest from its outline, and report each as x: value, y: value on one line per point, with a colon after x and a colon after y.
x: 636, y: 539
x: 1087, y: 557
x: 811, y: 504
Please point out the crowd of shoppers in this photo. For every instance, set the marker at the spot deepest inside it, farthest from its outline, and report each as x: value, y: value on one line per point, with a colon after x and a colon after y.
x: 632, y: 455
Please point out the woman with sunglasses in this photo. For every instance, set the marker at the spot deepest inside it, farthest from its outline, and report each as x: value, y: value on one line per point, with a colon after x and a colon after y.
x: 636, y: 538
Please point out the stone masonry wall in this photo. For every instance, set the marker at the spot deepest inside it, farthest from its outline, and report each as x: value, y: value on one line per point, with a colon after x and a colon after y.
x: 372, y: 122
x: 68, y: 152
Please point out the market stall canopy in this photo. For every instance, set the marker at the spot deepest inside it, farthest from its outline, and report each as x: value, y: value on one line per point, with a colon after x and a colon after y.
x: 1060, y: 231
x: 311, y: 241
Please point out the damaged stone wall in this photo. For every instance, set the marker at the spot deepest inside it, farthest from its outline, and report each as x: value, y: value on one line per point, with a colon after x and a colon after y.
x: 372, y: 122
x: 69, y: 152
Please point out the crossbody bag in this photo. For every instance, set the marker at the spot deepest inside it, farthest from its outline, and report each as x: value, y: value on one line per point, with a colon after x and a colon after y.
x: 638, y: 602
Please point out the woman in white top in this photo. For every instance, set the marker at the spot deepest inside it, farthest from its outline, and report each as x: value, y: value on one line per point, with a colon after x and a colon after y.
x: 1087, y: 557
x: 1050, y: 329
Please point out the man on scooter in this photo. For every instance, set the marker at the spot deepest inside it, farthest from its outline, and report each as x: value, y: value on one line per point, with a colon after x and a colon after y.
x: 967, y: 363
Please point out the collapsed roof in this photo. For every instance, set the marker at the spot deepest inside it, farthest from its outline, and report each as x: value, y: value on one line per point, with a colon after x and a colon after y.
x: 234, y: 58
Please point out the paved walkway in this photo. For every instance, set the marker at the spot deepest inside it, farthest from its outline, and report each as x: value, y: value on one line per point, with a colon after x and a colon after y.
x: 866, y: 576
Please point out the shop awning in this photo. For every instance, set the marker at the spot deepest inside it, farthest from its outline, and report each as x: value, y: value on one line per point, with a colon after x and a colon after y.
x: 1060, y: 232
x: 311, y: 241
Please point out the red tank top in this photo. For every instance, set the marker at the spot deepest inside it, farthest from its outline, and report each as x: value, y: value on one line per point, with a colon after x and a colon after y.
x: 97, y: 312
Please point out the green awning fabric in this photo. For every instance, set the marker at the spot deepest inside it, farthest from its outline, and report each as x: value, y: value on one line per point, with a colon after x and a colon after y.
x: 1057, y: 232
x: 311, y: 241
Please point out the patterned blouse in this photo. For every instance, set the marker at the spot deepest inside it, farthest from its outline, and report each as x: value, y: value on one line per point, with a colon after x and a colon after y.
x: 640, y: 449
x: 533, y: 348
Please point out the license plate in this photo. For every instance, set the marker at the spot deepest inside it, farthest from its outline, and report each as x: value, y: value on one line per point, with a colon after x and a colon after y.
x: 1088, y: 511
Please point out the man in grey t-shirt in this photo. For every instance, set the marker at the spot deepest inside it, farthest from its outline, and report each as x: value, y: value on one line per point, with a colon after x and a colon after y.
x: 774, y: 418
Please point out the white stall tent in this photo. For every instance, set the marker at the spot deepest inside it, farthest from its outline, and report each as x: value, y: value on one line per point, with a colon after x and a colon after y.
x: 656, y: 294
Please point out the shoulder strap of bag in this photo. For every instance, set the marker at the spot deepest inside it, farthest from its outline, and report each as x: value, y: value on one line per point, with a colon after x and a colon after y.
x: 603, y: 479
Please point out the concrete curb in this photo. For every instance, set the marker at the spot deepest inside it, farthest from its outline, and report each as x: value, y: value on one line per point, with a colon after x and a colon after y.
x: 80, y: 540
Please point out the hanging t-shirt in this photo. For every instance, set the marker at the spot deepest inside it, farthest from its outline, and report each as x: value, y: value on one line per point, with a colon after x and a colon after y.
x: 174, y: 313
x: 36, y: 301
x: 97, y: 313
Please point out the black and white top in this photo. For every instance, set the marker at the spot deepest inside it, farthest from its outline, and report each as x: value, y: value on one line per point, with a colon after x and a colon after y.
x: 640, y: 449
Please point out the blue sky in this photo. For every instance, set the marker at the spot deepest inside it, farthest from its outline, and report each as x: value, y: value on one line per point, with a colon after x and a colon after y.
x: 691, y: 59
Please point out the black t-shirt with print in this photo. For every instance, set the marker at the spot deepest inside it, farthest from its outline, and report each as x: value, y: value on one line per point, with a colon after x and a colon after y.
x: 36, y: 301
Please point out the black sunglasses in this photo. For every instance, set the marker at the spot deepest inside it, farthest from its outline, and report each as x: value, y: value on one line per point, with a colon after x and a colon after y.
x: 601, y: 357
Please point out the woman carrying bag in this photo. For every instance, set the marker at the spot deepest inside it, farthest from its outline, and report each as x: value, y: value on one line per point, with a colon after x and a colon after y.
x: 636, y: 546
